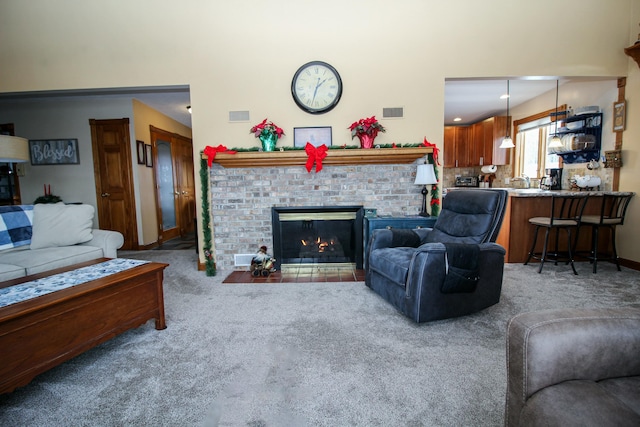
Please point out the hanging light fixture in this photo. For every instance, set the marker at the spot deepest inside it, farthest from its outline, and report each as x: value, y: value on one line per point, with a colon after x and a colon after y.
x: 555, y: 141
x: 507, y: 142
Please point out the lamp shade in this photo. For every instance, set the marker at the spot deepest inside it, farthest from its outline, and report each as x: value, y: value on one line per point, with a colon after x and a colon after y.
x: 13, y: 149
x: 555, y: 142
x: 425, y: 175
x: 507, y: 142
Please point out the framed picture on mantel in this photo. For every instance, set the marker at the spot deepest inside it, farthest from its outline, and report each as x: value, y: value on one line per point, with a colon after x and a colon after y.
x: 316, y: 136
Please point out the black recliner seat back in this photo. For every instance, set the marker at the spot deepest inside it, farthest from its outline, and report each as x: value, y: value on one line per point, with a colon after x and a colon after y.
x: 469, y: 216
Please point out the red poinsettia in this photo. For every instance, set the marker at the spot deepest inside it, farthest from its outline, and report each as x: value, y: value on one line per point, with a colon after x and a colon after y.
x: 265, y: 127
x: 368, y: 126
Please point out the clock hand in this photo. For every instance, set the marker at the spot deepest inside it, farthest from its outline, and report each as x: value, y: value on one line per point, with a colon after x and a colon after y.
x: 315, y: 91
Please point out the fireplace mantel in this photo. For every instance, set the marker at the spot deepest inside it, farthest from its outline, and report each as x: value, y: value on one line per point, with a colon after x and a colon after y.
x: 337, y: 157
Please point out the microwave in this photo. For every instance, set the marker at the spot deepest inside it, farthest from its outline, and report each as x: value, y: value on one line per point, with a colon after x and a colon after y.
x: 466, y: 181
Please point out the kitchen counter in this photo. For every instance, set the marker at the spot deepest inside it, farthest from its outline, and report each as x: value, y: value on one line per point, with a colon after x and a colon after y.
x: 516, y: 234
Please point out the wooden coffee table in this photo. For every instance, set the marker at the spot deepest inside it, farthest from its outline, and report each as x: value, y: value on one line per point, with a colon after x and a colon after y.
x: 42, y: 332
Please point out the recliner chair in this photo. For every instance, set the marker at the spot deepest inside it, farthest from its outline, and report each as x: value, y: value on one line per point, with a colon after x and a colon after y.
x: 451, y: 270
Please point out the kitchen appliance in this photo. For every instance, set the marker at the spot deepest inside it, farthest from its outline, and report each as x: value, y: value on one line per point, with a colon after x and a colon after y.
x: 553, y: 180
x: 466, y: 181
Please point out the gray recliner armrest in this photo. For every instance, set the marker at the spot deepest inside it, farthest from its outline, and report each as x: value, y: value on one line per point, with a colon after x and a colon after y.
x: 552, y: 346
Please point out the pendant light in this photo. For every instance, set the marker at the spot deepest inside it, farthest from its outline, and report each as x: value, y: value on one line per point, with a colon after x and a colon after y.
x: 507, y: 142
x: 555, y: 141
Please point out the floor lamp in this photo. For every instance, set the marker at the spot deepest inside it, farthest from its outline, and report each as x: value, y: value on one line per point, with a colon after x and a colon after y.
x: 425, y: 175
x: 13, y: 149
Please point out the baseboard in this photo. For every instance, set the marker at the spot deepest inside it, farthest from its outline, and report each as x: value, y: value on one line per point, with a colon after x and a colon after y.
x: 148, y: 247
x: 634, y: 265
x: 203, y: 266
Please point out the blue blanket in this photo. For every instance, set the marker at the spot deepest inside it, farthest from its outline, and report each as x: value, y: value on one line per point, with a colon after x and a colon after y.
x: 15, y: 226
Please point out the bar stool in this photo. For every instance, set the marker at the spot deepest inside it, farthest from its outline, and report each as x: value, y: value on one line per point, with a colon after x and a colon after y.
x: 612, y: 212
x: 566, y: 213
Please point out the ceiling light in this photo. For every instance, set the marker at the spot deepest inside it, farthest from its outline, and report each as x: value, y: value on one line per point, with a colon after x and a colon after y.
x: 457, y: 119
x: 507, y: 142
x: 556, y: 142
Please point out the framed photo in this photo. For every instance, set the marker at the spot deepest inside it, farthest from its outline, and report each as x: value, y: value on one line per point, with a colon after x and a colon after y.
x: 619, y: 112
x: 54, y: 152
x: 314, y: 135
x: 148, y: 156
x: 142, y: 153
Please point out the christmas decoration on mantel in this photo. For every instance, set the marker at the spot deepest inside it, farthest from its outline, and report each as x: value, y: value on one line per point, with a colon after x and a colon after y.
x: 435, y: 191
x: 210, y: 264
x: 316, y: 154
x: 366, y: 130
x: 268, y: 133
x: 211, y: 152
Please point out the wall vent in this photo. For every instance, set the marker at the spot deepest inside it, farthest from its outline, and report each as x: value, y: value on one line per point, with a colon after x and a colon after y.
x: 242, y: 260
x: 238, y: 116
x: 393, y: 113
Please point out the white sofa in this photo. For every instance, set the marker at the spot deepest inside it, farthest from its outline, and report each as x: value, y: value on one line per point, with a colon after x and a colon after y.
x: 42, y: 237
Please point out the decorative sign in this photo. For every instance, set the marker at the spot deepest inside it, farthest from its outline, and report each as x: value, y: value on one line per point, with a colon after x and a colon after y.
x: 54, y: 151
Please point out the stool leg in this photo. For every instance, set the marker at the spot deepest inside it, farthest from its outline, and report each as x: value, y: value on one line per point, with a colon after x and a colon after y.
x: 544, y: 250
x: 570, y: 252
x: 535, y: 239
x: 613, y: 243
x: 595, y: 249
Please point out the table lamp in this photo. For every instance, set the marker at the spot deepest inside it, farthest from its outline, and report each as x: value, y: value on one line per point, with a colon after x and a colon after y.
x: 425, y: 175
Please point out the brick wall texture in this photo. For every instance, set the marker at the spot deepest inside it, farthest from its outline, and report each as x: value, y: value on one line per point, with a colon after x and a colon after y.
x: 242, y: 198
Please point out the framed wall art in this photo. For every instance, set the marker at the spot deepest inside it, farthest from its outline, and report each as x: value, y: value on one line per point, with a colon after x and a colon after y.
x: 619, y: 112
x: 148, y: 156
x: 316, y: 136
x: 142, y: 153
x: 54, y: 152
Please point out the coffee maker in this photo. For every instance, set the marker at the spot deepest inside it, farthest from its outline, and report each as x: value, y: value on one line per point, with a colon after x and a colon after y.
x: 553, y: 180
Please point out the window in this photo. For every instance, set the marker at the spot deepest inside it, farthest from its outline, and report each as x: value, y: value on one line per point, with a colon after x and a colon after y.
x: 532, y: 135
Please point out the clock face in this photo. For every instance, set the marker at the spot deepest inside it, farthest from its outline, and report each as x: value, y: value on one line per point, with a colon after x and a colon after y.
x: 316, y: 87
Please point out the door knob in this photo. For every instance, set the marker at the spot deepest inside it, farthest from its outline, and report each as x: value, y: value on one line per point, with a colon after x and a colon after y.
x: 105, y: 194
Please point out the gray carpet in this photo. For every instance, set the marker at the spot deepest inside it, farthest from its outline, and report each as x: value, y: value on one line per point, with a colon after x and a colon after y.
x: 300, y: 354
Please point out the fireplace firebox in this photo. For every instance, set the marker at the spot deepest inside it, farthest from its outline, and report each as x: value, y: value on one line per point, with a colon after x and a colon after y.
x: 317, y: 235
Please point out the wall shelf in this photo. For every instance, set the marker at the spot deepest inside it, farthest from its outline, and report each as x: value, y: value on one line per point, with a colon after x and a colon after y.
x: 335, y: 157
x: 634, y: 52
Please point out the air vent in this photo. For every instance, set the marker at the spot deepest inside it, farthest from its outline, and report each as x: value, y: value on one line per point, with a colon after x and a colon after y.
x: 238, y: 116
x: 242, y: 260
x: 393, y: 113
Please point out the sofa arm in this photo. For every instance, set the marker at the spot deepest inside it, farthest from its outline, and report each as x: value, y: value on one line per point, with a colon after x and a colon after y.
x: 109, y: 241
x: 551, y: 346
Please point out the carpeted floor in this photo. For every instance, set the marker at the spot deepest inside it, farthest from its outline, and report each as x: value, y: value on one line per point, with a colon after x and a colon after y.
x: 301, y: 354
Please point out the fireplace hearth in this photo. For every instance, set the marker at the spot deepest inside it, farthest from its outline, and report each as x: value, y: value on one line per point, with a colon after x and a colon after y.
x: 317, y: 235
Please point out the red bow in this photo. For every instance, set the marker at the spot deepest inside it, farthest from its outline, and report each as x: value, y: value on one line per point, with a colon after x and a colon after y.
x: 316, y: 154
x: 211, y: 152
x: 435, y: 150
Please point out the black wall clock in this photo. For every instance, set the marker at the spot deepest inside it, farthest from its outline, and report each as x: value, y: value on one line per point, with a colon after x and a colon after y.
x: 316, y: 87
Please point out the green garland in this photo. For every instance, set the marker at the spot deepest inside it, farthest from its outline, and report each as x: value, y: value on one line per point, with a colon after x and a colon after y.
x: 206, y: 219
x: 333, y: 147
x: 435, y: 191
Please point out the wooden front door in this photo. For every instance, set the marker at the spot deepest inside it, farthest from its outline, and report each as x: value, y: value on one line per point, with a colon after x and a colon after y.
x: 114, y: 182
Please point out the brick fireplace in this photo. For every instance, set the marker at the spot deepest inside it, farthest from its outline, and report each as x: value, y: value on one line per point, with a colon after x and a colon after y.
x: 242, y: 198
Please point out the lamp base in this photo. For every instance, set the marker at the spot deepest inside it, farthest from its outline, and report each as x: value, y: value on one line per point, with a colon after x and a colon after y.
x: 424, y: 192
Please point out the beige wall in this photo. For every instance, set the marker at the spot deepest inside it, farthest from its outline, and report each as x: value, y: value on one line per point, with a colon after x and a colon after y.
x: 242, y: 55
x: 143, y: 117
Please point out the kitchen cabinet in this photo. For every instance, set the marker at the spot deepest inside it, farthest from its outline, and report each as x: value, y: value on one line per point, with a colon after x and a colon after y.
x: 456, y: 146
x: 476, y: 145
